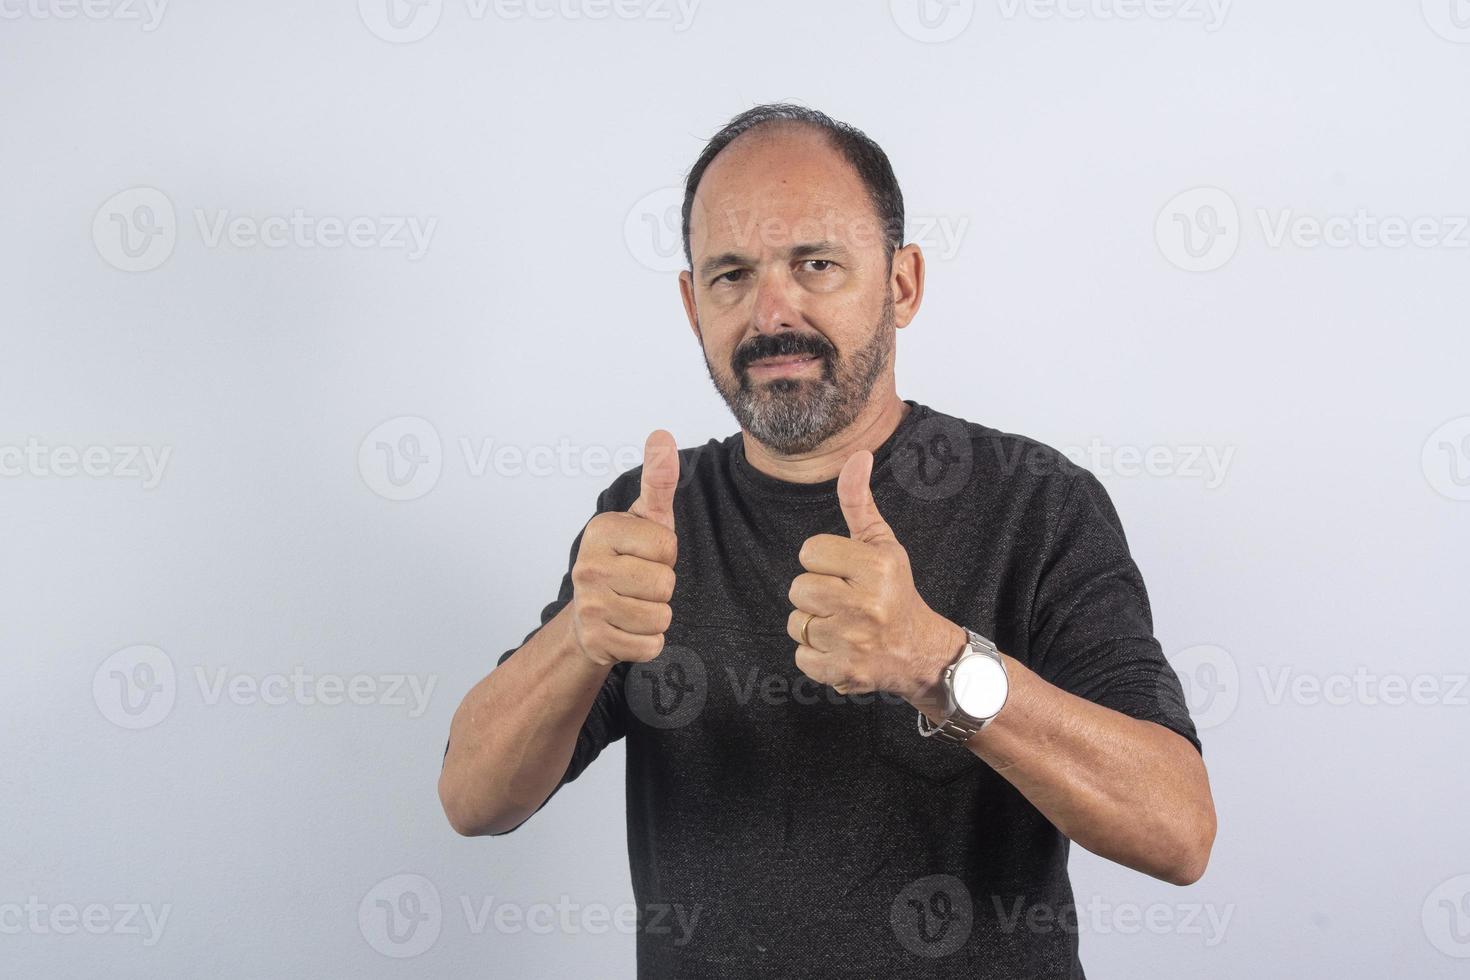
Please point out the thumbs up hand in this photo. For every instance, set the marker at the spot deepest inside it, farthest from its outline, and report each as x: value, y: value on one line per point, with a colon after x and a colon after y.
x: 867, y: 627
x: 660, y: 476
x: 623, y: 578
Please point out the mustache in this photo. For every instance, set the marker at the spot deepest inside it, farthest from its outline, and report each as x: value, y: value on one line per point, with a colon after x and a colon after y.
x: 780, y: 345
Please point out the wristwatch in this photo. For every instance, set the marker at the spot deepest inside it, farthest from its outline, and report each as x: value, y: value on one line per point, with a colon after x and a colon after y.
x: 975, y: 688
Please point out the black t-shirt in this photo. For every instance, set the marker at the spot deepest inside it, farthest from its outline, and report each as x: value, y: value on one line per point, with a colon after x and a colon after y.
x: 778, y: 829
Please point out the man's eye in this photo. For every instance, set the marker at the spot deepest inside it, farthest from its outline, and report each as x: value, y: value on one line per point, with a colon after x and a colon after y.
x: 724, y: 277
x: 824, y: 263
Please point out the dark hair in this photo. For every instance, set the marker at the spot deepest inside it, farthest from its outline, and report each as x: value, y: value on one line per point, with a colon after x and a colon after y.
x: 865, y: 156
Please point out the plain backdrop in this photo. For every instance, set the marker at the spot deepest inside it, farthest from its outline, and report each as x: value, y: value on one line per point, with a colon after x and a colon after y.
x: 369, y: 457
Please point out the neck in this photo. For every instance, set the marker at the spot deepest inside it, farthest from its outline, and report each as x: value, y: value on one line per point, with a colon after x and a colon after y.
x: 872, y: 427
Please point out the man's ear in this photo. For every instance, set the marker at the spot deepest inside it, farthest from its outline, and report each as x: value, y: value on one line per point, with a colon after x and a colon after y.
x: 906, y: 284
x: 686, y: 292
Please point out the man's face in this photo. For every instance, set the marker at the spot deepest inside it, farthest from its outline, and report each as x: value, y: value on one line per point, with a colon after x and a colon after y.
x: 789, y: 292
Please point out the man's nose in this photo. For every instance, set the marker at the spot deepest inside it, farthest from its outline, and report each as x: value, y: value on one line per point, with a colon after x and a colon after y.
x: 777, y: 302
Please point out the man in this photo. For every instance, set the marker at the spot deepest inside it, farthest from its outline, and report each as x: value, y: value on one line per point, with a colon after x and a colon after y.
x: 875, y: 665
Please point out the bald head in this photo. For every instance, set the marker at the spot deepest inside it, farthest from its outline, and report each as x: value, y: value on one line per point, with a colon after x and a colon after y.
x: 794, y: 288
x: 848, y: 151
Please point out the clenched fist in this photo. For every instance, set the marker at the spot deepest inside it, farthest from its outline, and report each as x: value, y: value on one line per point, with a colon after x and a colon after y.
x: 867, y: 627
x: 623, y: 578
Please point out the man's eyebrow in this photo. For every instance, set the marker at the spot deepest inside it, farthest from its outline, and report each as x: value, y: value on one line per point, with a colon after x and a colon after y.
x: 709, y: 265
x: 809, y: 249
x: 802, y: 251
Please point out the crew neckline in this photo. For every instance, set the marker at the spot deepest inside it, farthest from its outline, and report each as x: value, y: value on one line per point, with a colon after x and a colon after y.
x: 826, y: 491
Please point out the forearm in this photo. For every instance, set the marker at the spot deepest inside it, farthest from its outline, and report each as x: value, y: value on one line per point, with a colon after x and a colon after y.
x: 513, y: 734
x: 1125, y: 789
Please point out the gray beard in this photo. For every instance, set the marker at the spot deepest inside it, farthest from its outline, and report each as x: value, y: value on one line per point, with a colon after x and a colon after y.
x: 790, y: 416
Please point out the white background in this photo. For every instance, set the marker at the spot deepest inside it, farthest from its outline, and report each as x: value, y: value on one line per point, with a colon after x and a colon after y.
x: 544, y: 313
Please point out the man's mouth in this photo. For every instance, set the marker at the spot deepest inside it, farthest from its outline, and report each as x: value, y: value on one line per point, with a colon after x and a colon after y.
x: 774, y: 367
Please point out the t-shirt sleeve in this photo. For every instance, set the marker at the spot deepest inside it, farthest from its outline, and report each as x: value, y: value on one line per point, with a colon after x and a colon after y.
x: 1092, y: 629
x: 604, y: 724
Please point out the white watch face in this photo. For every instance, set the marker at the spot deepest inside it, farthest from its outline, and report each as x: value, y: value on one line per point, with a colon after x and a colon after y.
x: 979, y: 686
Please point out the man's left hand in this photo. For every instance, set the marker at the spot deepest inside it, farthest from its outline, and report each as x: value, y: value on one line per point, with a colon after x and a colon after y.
x: 871, y: 630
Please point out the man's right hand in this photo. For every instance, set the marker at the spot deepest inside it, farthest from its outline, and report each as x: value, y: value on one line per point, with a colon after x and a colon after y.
x: 623, y: 578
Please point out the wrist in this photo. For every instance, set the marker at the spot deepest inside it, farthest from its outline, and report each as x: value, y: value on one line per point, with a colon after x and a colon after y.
x: 574, y: 653
x: 944, y: 643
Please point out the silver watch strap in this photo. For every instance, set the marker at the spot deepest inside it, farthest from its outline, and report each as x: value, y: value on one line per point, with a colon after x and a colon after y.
x: 954, y: 729
x: 958, y: 726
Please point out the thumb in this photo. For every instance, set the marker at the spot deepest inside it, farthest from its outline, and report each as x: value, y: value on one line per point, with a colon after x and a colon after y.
x: 856, y: 497
x: 660, y: 476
